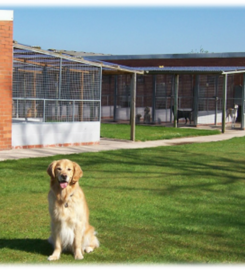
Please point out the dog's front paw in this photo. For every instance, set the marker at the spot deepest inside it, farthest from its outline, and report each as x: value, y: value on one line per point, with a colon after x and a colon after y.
x: 88, y: 249
x: 53, y: 258
x: 78, y: 255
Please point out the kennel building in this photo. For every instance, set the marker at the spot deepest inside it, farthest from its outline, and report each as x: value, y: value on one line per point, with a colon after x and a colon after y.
x: 200, y: 90
x: 200, y: 86
x: 56, y: 98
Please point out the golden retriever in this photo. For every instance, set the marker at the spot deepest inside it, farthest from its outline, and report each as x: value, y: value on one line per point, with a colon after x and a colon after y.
x: 70, y: 228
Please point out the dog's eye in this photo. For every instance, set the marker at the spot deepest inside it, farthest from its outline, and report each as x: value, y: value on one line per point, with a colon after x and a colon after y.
x: 59, y: 169
x: 69, y: 169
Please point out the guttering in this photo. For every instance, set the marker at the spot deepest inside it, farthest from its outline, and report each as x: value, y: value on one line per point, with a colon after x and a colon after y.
x: 233, y: 72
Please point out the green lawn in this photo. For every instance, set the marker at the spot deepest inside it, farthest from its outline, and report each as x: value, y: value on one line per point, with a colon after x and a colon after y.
x: 177, y: 204
x: 149, y: 133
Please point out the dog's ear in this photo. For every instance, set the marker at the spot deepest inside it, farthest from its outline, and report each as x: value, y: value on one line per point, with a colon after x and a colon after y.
x: 78, y: 173
x: 51, y: 168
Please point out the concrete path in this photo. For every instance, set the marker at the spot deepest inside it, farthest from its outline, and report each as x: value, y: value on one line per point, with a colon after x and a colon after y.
x: 107, y: 144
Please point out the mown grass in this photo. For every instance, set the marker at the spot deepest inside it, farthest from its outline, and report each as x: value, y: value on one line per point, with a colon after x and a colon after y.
x: 177, y: 204
x: 149, y: 133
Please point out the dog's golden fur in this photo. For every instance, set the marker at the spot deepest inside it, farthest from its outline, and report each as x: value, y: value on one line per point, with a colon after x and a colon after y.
x: 70, y: 228
x: 32, y: 112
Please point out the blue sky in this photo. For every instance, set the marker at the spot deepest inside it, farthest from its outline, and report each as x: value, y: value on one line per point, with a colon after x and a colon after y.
x: 156, y: 29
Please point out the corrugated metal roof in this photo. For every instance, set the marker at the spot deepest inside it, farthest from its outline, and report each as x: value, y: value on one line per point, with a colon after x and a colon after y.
x: 80, y: 54
x: 170, y: 56
x: 113, y: 65
x: 28, y: 53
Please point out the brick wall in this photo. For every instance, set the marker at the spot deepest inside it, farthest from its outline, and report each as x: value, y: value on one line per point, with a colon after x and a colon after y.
x: 6, y: 63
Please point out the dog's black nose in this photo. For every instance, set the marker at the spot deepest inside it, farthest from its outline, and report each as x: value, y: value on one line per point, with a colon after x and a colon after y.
x: 63, y: 176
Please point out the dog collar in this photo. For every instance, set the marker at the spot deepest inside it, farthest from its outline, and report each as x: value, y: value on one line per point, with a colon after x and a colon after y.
x: 66, y: 204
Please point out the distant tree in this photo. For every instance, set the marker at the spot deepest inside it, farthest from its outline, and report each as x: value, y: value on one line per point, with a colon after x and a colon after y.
x: 201, y: 50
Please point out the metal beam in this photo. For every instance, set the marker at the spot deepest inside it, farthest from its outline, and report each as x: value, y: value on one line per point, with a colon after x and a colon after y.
x: 224, y: 102
x: 233, y: 72
x: 79, y: 60
x: 100, y: 94
x: 243, y: 104
x: 196, y: 100
x: 176, y: 91
x: 132, y: 104
x: 216, y: 98
x: 115, y: 99
x: 154, y: 100
x: 60, y: 79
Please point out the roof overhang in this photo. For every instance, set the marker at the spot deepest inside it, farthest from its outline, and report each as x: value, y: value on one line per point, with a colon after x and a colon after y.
x: 27, y: 52
x: 168, y: 56
x: 193, y: 70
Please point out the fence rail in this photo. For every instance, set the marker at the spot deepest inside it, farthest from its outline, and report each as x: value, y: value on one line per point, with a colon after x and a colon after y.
x: 55, y: 110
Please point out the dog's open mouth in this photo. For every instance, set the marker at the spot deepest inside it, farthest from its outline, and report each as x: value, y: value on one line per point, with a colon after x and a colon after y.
x: 63, y: 184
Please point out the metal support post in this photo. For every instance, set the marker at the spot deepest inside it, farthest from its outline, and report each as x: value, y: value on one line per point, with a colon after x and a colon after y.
x: 100, y: 86
x: 196, y: 92
x: 60, y: 79
x: 73, y: 111
x: 154, y: 100
x: 216, y: 98
x: 115, y: 99
x: 133, y: 103
x: 243, y: 105
x: 44, y: 110
x: 176, y: 90
x: 224, y: 103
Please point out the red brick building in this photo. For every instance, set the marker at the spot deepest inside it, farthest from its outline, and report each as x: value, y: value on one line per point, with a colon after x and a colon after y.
x: 6, y: 70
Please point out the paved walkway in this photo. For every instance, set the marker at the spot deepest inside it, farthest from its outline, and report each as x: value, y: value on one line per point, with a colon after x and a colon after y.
x: 107, y: 144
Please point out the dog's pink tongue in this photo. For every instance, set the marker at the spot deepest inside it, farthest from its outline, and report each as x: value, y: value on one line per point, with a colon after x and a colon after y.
x: 63, y: 185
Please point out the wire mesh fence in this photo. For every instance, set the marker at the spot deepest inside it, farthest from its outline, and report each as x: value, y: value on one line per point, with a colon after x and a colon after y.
x: 210, y: 98
x: 156, y: 92
x: 48, y: 88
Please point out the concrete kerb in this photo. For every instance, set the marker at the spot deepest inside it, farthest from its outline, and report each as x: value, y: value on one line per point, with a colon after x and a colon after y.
x: 111, y: 144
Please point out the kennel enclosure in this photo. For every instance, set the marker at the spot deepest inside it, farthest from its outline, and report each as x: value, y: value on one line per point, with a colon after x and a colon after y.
x: 206, y: 91
x: 56, y: 98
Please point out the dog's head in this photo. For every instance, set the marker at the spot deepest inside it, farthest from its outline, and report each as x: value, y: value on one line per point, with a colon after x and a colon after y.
x: 64, y: 172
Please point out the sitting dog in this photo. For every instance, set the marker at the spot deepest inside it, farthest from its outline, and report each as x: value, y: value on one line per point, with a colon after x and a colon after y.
x: 232, y: 112
x: 183, y: 114
x: 147, y: 116
x: 31, y: 112
x: 70, y: 228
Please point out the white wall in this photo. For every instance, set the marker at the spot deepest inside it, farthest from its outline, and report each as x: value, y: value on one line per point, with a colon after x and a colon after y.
x: 107, y: 111
x: 6, y: 15
x: 162, y: 115
x: 45, y: 134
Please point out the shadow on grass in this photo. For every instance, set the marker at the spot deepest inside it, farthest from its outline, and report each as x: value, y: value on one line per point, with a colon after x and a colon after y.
x: 220, y: 162
x: 180, y: 161
x: 35, y: 246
